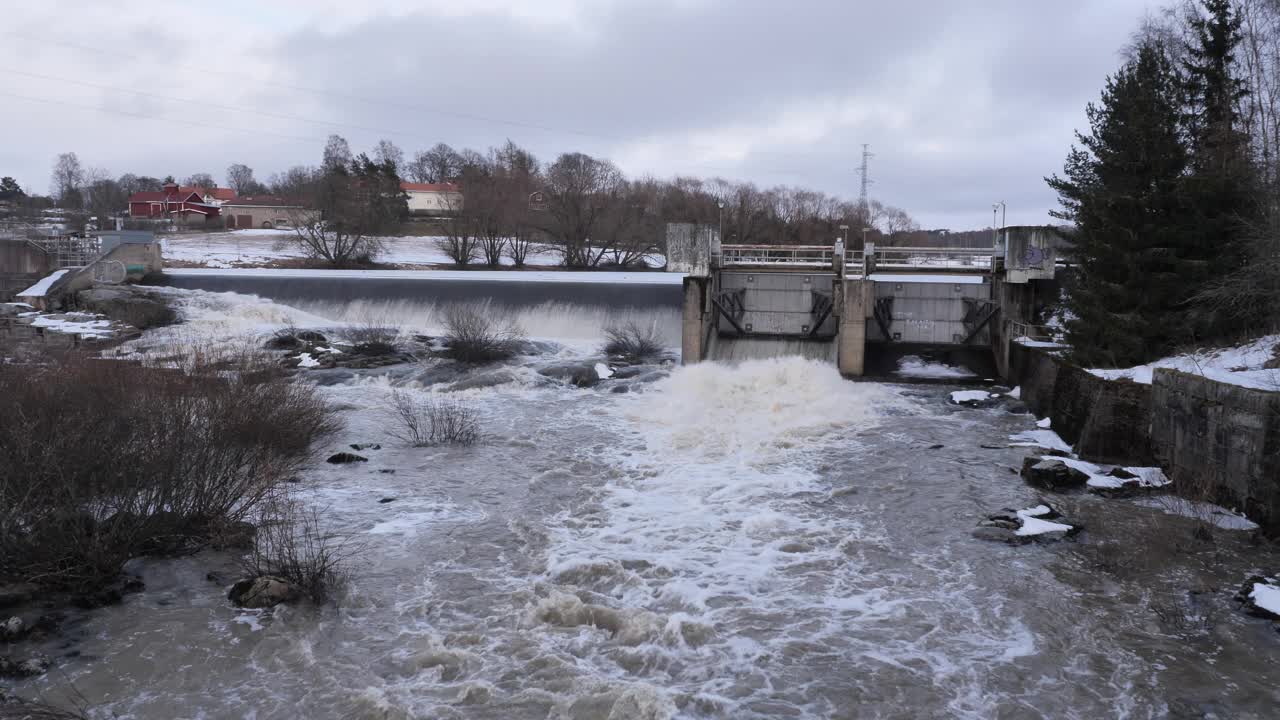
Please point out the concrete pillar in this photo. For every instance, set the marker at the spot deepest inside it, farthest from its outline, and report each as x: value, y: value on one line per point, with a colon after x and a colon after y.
x: 696, y: 320
x: 851, y: 351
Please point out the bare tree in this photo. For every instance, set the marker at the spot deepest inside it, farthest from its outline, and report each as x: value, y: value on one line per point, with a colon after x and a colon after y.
x: 580, y: 189
x: 353, y: 206
x: 460, y: 242
x: 337, y: 154
x: 295, y: 183
x: 439, y: 164
x: 240, y: 179
x: 387, y: 152
x: 200, y: 180
x: 68, y: 179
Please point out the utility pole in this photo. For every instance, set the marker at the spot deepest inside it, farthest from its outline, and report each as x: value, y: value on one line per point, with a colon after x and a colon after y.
x: 864, y: 171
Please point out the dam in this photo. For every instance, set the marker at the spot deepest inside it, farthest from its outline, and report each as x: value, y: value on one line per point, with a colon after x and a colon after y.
x: 831, y: 303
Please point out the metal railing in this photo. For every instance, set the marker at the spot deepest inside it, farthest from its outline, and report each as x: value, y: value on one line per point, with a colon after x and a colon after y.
x: 1021, y: 331
x: 884, y: 258
x: 777, y: 255
x: 920, y: 258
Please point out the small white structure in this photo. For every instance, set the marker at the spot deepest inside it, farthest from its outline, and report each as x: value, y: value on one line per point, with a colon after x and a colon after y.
x: 433, y: 198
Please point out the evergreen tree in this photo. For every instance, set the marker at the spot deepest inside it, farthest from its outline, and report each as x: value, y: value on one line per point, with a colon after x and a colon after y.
x: 1222, y: 183
x: 1123, y: 190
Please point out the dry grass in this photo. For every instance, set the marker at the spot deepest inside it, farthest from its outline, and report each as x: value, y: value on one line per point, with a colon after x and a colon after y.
x: 473, y: 336
x: 633, y: 342
x: 426, y: 422
x: 292, y: 545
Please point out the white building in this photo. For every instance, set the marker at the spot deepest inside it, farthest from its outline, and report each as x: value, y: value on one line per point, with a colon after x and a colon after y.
x: 433, y: 198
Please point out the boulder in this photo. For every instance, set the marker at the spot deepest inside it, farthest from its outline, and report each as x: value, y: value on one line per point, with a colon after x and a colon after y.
x: 125, y: 304
x: 1052, y: 474
x: 365, y: 446
x: 32, y: 666
x: 343, y: 458
x: 1249, y: 596
x: 1018, y: 527
x: 263, y: 591
x: 13, y: 629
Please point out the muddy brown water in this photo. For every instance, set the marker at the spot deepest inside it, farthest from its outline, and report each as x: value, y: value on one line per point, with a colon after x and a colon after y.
x: 762, y: 540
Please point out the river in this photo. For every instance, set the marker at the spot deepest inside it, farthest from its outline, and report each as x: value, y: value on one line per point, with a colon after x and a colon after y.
x: 757, y: 540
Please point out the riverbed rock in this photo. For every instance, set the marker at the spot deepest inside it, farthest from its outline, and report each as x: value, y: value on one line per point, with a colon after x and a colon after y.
x: 490, y: 378
x: 12, y: 629
x: 127, y: 304
x: 344, y: 458
x: 365, y: 446
x: 29, y: 667
x: 1052, y: 474
x: 263, y: 591
x: 1250, y: 593
x: 1011, y: 526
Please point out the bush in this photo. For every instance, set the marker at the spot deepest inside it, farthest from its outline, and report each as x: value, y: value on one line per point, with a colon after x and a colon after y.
x: 633, y: 342
x: 473, y: 337
x: 372, y: 339
x: 291, y: 545
x: 103, y: 460
x: 433, y: 422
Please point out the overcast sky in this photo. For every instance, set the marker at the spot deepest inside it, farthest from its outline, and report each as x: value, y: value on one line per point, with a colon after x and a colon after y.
x: 963, y: 104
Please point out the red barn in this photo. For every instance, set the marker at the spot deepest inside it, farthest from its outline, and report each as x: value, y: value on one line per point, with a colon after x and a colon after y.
x: 182, y: 204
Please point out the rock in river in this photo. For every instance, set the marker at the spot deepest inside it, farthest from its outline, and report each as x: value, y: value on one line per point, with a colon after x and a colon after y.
x: 1052, y: 474
x: 263, y: 591
x: 343, y: 458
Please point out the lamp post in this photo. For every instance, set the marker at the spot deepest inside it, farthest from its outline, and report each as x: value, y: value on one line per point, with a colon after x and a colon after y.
x: 721, y: 206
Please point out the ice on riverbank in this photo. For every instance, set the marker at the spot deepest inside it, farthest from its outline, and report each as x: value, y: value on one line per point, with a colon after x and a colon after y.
x: 1033, y: 525
x: 962, y: 397
x: 1047, y: 439
x: 1215, y: 515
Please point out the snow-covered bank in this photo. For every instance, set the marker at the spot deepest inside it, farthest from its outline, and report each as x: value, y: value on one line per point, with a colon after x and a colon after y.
x: 261, y: 247
x: 543, y: 276
x: 1244, y: 365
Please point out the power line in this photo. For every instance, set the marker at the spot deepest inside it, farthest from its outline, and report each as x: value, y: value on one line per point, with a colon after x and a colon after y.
x: 193, y: 123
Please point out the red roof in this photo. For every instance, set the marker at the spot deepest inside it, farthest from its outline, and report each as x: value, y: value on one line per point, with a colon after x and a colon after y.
x: 184, y: 195
x: 428, y: 187
x: 217, y: 193
x: 264, y: 201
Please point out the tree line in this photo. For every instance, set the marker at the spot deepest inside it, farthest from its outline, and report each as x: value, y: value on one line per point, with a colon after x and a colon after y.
x: 1172, y: 191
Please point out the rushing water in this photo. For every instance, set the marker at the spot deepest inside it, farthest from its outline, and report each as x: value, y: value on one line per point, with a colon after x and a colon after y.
x: 763, y: 540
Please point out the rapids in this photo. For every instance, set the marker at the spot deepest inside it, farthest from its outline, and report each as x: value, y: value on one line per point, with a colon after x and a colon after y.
x: 751, y: 540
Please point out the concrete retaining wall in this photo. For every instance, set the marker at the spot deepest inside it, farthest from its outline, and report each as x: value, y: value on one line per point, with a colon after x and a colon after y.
x: 1106, y: 421
x: 1221, y: 439
x: 1212, y: 439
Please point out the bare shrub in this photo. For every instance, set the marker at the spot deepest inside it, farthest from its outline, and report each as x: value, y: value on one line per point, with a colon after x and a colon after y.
x: 424, y: 422
x: 633, y: 342
x: 473, y: 336
x: 372, y: 339
x: 104, y: 460
x: 292, y: 545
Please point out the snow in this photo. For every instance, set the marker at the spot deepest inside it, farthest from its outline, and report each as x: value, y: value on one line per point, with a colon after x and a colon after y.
x: 1217, y: 515
x: 913, y: 278
x: 1266, y: 597
x: 1100, y: 479
x: 604, y: 372
x: 257, y: 247
x: 1044, y: 424
x: 964, y: 396
x: 306, y: 361
x: 1028, y: 342
x: 918, y: 367
x: 1033, y: 525
x: 40, y: 288
x: 1040, y: 438
x: 544, y: 276
x: 1241, y: 365
x: 87, y: 328
x: 1016, y: 393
